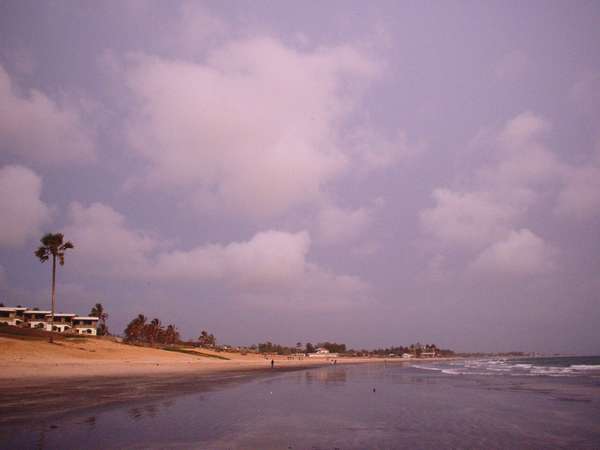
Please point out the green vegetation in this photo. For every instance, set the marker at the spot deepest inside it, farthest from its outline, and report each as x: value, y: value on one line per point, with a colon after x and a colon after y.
x: 98, y: 311
x: 206, y: 340
x: 416, y: 350
x: 140, y: 331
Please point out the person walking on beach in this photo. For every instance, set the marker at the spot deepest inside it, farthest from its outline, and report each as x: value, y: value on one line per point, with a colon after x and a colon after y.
x: 272, y: 363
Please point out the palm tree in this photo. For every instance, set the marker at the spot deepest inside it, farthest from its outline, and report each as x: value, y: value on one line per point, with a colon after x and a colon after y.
x: 153, y: 331
x: 53, y: 245
x: 98, y: 311
x: 171, y: 335
x: 135, y: 328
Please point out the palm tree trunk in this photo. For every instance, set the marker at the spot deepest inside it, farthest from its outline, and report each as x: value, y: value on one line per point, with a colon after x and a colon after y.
x: 53, y: 296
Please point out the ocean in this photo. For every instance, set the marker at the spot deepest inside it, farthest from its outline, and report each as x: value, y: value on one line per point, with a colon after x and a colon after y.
x: 533, y: 403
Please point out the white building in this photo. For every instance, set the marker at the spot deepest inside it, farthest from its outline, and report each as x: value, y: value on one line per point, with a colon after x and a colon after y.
x: 85, y: 325
x: 35, y: 318
x: 8, y: 315
x: 322, y: 353
x: 62, y: 322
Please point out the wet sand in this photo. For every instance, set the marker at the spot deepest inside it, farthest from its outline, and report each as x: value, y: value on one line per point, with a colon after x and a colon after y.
x: 32, y: 400
x: 39, y: 380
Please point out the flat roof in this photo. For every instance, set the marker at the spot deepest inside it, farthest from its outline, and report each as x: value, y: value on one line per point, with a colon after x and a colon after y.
x: 62, y: 314
x: 86, y: 318
x: 7, y: 308
x: 31, y: 311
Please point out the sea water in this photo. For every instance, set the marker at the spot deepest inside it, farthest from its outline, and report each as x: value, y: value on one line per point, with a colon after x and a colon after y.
x: 480, y: 403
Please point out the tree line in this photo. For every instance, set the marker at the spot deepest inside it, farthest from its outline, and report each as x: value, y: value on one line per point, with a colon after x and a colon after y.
x: 142, y: 331
x: 334, y: 347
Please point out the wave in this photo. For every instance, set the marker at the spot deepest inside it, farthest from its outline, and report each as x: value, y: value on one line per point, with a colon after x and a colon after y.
x: 427, y: 368
x: 584, y: 367
x: 505, y: 368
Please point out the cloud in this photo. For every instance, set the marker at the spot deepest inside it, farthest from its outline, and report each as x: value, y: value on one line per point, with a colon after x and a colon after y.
x: 105, y: 245
x: 269, y: 258
x: 318, y: 290
x: 372, y: 149
x: 497, y: 196
x: 470, y: 219
x: 38, y: 129
x: 195, y: 29
x: 522, y: 158
x: 272, y: 263
x: 336, y: 225
x: 521, y: 253
x: 254, y: 129
x: 23, y: 212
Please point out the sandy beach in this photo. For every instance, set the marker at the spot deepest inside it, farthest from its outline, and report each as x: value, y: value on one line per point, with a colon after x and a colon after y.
x: 40, y: 380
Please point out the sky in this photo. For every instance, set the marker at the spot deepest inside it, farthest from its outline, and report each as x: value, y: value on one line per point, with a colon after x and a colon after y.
x: 374, y: 173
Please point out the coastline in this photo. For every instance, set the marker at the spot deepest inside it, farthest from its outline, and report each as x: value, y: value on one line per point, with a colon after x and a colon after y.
x: 39, y: 380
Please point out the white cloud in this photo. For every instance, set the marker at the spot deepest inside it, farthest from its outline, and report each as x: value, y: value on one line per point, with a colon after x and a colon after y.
x: 38, y: 129
x: 23, y: 212
x: 272, y: 263
x: 470, y: 219
x: 521, y: 253
x: 336, y: 225
x: 498, y: 197
x: 522, y: 158
x: 105, y: 244
x: 270, y: 258
x: 372, y: 149
x: 523, y: 129
x: 254, y: 129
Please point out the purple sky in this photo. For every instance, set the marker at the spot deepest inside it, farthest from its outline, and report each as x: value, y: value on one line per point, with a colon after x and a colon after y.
x: 374, y: 174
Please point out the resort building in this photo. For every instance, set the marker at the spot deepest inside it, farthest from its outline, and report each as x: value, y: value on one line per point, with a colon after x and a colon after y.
x: 85, y: 325
x: 62, y: 323
x: 35, y: 318
x: 8, y: 315
x: 322, y: 353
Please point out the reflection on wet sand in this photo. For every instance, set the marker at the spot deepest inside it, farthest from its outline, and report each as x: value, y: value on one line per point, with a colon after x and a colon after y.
x: 354, y: 407
x: 333, y: 375
x: 142, y: 412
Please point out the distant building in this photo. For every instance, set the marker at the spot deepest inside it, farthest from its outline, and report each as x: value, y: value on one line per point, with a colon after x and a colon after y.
x: 63, y: 322
x: 8, y: 315
x: 85, y: 325
x: 322, y: 353
x: 35, y: 318
x: 407, y: 355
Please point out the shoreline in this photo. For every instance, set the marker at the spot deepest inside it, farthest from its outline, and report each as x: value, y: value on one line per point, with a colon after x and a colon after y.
x: 43, y: 381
